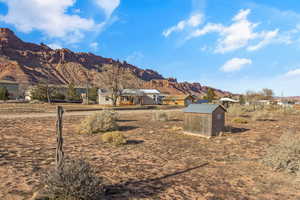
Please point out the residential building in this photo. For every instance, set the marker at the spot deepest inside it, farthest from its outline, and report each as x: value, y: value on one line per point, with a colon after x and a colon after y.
x: 182, y: 100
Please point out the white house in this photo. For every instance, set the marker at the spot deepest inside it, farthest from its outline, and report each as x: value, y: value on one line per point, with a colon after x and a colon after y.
x: 131, y: 97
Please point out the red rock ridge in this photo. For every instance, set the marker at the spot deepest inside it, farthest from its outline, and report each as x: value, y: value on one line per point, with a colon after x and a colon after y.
x: 29, y: 63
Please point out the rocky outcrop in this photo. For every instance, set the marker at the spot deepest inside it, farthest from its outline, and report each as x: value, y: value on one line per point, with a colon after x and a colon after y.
x: 29, y: 63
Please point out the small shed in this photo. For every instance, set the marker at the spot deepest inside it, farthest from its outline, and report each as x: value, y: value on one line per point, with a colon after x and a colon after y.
x: 205, y: 120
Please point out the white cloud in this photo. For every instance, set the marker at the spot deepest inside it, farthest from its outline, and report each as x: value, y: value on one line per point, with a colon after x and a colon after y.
x: 194, y: 21
x: 235, y: 64
x: 53, y: 19
x: 293, y: 73
x: 268, y: 37
x: 108, y: 6
x: 94, y: 46
x: 54, y: 46
x: 135, y: 58
x: 48, y: 16
x: 237, y: 35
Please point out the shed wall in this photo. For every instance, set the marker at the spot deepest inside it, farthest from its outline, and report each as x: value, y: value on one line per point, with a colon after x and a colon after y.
x: 198, y: 123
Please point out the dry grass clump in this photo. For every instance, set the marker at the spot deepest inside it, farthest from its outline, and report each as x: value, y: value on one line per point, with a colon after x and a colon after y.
x: 160, y: 116
x: 288, y: 111
x: 285, y: 156
x: 262, y: 115
x: 76, y: 181
x: 114, y: 138
x: 240, y: 120
x: 99, y: 122
x: 236, y: 110
x: 176, y: 128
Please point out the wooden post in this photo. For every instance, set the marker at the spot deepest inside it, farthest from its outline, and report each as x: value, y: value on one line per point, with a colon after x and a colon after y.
x: 59, y: 139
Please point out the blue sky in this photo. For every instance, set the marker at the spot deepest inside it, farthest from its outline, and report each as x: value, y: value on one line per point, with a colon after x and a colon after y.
x: 235, y: 45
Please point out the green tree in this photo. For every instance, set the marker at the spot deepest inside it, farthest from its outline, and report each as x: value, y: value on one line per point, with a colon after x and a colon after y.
x: 210, y: 96
x: 93, y: 93
x: 71, y: 93
x: 242, y: 100
x: 4, y: 95
x: 42, y: 92
x: 39, y: 92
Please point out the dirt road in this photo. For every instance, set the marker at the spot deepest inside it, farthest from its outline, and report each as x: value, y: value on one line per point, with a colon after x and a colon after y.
x: 76, y: 113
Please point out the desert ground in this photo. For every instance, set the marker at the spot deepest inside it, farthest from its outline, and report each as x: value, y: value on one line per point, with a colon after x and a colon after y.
x: 158, y: 161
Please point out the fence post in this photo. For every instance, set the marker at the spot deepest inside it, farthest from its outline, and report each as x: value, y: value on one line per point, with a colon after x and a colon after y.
x: 59, y: 139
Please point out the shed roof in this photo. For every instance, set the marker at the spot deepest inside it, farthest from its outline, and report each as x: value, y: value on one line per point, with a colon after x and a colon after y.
x: 202, y: 108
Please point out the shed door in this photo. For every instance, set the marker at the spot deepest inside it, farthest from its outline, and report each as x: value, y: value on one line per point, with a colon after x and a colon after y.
x: 197, y: 124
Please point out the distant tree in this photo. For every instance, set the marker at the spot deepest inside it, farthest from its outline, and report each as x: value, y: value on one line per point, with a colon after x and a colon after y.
x: 42, y: 92
x: 87, y: 87
x: 117, y: 79
x: 267, y: 93
x: 210, y: 96
x: 71, y: 93
x: 242, y: 99
x: 93, y: 93
x: 4, y: 95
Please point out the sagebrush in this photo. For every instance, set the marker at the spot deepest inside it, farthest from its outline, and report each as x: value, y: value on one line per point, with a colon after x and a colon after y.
x: 240, y: 120
x: 76, y: 181
x: 236, y: 110
x: 262, y: 115
x: 99, y: 122
x: 160, y: 116
x: 114, y: 138
x: 285, y: 156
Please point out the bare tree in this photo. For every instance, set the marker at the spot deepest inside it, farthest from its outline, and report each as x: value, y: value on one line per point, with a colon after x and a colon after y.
x: 88, y: 82
x: 267, y: 93
x: 118, y: 78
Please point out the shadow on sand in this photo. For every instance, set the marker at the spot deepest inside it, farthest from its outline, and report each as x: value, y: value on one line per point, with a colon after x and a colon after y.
x: 144, y: 188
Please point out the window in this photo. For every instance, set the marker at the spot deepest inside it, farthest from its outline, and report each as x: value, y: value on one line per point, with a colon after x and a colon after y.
x: 106, y: 99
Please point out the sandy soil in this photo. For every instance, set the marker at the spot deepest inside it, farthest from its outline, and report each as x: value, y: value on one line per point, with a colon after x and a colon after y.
x: 157, y: 163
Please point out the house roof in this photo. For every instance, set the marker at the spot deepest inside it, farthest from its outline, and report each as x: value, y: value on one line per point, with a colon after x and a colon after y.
x: 202, y: 101
x: 132, y: 92
x: 229, y: 100
x: 150, y: 91
x: 202, y: 108
x: 8, y: 82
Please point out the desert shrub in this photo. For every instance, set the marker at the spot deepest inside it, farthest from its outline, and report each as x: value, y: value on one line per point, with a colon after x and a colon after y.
x: 288, y: 111
x: 235, y: 110
x: 176, y: 128
x: 114, y: 138
x: 240, y: 120
x: 285, y: 156
x: 262, y: 115
x: 76, y: 181
x: 160, y: 116
x: 99, y: 122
